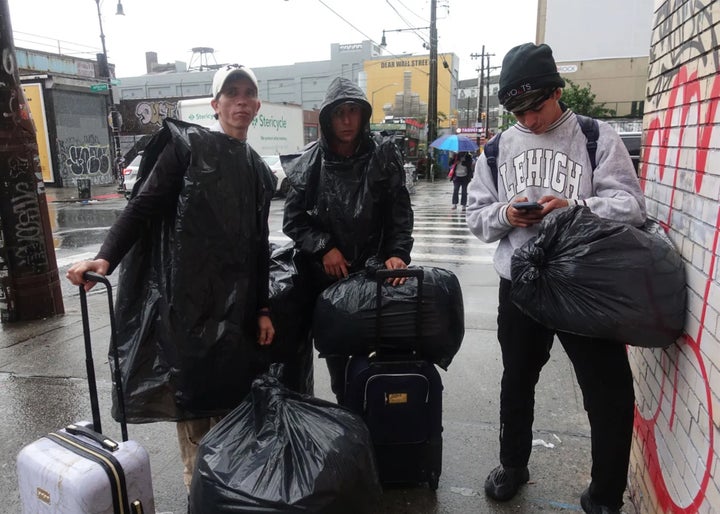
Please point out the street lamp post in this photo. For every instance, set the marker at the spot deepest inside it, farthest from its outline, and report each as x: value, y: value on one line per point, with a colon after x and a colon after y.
x: 114, y: 119
x: 432, y: 76
x: 432, y: 79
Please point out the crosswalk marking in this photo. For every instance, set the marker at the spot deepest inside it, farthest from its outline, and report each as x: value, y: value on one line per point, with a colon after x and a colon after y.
x: 451, y: 258
x: 466, y: 249
x: 420, y: 235
x: 440, y: 234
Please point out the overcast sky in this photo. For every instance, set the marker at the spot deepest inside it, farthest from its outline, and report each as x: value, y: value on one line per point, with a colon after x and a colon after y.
x: 268, y: 32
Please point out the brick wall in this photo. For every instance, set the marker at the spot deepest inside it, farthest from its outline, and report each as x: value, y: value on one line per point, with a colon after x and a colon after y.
x: 675, y: 458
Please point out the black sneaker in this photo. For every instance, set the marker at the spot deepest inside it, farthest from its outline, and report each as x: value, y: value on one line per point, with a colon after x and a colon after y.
x: 591, y: 507
x: 503, y: 483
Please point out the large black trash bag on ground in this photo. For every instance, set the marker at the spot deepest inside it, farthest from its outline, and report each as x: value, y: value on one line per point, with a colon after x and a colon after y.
x: 291, y: 316
x: 284, y: 452
x: 345, y: 316
x: 599, y: 278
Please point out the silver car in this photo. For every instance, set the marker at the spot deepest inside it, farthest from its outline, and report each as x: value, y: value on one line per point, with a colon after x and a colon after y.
x: 130, y: 174
x: 273, y: 161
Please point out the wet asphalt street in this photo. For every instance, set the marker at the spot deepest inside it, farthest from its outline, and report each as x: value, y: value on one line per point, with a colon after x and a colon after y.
x: 43, y: 384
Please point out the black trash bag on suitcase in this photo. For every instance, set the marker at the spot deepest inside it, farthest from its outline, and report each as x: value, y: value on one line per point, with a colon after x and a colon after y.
x: 291, y: 316
x: 600, y: 278
x: 283, y: 452
x: 345, y: 320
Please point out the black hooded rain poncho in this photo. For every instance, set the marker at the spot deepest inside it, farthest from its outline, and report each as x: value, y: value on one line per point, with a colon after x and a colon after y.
x: 357, y: 204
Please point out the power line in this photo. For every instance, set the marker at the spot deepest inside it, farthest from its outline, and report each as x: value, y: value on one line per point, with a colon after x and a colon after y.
x: 346, y: 21
x: 409, y: 25
x: 424, y: 20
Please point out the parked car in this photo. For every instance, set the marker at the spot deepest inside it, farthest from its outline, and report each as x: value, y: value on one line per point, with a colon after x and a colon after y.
x: 130, y: 174
x: 632, y: 142
x: 274, y: 162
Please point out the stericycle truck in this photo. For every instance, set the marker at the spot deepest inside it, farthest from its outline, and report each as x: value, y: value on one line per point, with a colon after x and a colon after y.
x: 277, y: 128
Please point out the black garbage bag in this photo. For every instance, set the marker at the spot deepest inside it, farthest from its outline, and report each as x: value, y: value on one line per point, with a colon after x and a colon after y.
x: 284, y: 452
x: 186, y: 298
x: 345, y: 316
x: 599, y: 278
x: 291, y: 316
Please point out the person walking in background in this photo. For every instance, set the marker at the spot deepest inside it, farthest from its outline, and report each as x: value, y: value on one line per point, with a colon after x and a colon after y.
x: 347, y: 202
x: 462, y: 173
x: 544, y: 159
x: 205, y: 201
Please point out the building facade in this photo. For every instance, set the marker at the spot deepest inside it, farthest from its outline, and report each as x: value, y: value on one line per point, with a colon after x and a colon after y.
x: 396, y: 86
x: 69, y: 105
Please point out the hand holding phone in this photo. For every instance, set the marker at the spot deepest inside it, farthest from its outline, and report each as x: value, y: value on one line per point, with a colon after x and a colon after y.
x: 527, y: 206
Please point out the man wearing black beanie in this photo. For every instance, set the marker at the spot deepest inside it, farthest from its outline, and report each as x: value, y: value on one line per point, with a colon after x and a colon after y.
x: 544, y: 159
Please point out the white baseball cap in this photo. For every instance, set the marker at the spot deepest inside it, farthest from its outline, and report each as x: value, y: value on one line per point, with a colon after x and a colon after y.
x: 228, y: 71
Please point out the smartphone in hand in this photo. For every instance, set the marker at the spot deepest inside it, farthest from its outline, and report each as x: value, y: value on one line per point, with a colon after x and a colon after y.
x: 527, y: 206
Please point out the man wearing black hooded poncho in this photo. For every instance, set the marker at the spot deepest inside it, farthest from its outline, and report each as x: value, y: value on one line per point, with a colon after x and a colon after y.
x: 347, y: 205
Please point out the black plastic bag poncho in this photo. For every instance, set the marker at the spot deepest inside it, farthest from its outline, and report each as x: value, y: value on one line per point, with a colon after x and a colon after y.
x: 603, y: 279
x: 291, y: 317
x: 346, y: 313
x: 187, y: 292
x: 357, y: 204
x: 284, y: 452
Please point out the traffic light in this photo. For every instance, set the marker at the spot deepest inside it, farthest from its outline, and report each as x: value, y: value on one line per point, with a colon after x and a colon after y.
x: 103, y: 68
x: 482, y: 116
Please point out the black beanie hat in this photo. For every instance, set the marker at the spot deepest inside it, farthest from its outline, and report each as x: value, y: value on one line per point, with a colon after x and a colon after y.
x: 527, y: 68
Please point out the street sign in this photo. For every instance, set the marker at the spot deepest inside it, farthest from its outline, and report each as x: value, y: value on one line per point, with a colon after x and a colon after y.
x: 99, y: 87
x: 115, y: 82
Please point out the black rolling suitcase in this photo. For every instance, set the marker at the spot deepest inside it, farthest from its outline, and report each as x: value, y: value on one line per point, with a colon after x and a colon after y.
x: 399, y: 395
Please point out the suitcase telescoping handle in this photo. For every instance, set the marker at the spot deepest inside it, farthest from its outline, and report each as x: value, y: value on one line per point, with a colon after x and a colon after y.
x: 381, y: 276
x: 92, y: 384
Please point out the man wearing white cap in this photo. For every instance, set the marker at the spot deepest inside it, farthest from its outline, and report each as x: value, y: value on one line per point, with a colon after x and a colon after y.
x: 193, y: 290
x: 235, y: 100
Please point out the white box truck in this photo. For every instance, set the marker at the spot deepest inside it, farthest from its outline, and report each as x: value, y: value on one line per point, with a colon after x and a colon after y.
x: 277, y: 128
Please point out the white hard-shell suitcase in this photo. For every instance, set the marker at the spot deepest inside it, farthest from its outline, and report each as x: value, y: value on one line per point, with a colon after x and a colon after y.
x: 77, y: 470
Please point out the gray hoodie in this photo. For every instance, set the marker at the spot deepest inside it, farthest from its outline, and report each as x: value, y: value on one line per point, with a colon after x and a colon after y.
x: 553, y: 163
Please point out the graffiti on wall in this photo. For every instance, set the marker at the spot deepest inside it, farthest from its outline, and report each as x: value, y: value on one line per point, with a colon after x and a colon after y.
x: 86, y: 158
x: 674, y: 419
x: 146, y: 116
x: 24, y: 221
x: 678, y: 24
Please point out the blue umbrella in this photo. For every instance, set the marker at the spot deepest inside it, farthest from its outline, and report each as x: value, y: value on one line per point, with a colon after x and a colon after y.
x: 454, y: 143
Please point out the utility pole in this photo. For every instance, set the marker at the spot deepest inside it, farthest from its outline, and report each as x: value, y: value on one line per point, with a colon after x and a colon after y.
x: 432, y: 85
x: 486, y: 125
x: 29, y: 284
x: 114, y: 118
x: 481, y: 82
x: 483, y: 116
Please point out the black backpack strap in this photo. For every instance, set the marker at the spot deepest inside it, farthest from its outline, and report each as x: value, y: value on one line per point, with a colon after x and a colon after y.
x: 491, y: 152
x: 590, y: 128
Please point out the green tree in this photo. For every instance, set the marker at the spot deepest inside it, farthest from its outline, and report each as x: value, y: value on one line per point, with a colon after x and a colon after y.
x: 582, y: 101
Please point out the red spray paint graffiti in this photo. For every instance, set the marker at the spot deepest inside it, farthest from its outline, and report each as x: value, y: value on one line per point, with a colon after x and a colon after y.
x: 685, y: 109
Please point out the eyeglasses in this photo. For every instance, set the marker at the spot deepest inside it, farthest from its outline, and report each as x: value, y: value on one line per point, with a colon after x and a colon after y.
x: 537, y: 106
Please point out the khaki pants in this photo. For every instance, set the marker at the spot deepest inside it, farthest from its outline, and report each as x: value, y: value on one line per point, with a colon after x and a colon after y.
x: 189, y: 435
